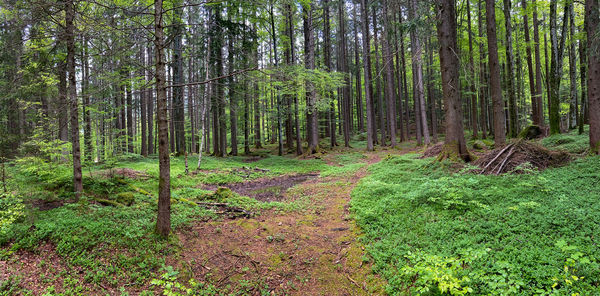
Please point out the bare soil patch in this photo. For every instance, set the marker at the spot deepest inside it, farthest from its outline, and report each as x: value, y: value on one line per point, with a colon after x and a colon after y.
x: 308, y: 252
x: 266, y: 189
x: 433, y: 151
x: 45, y: 205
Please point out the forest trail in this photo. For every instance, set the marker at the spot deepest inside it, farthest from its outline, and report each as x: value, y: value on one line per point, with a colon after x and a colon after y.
x: 313, y: 251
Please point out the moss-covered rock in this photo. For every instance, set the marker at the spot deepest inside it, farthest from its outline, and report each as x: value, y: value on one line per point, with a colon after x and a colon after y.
x: 125, y: 198
x: 531, y: 132
x: 222, y: 194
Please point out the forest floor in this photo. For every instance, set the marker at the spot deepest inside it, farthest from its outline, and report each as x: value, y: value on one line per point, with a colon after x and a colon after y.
x: 294, y: 235
x: 342, y: 222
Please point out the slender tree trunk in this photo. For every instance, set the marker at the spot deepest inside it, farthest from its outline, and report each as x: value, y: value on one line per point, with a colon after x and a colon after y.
x: 163, y: 221
x: 143, y: 104
x: 583, y: 69
x: 367, y: 73
x: 534, y: 109
x: 398, y: 103
x: 483, y: 94
x: 343, y: 61
x: 87, y: 121
x: 233, y: 106
x: 178, y: 79
x: 388, y: 66
x: 418, y: 74
x: 592, y: 21
x: 471, y: 73
x: 359, y: 106
x: 538, y: 68
x: 495, y: 88
x: 70, y: 40
x: 311, y: 108
x: 378, y: 93
x: 513, y: 127
x: 328, y: 67
x: 556, y: 66
x: 129, y: 98
x: 573, y: 111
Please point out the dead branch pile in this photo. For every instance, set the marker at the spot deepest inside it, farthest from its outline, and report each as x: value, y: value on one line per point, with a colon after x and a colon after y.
x: 517, y: 156
x: 433, y: 151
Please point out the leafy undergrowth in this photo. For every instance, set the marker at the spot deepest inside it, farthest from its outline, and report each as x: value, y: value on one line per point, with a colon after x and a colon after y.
x: 109, y: 233
x: 571, y: 142
x: 431, y: 231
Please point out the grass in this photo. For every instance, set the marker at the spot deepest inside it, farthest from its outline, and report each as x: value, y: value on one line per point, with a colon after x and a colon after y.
x: 431, y: 231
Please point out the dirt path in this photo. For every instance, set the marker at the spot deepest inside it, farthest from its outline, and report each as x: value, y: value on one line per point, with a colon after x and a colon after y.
x: 309, y: 252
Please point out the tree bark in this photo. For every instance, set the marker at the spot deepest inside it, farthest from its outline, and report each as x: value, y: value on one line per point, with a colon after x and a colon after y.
x: 359, y: 100
x: 471, y: 73
x: 534, y: 109
x: 454, y: 143
x: 592, y: 21
x: 367, y: 73
x: 495, y: 87
x: 388, y: 66
x: 309, y: 63
x: 343, y: 61
x: 538, y: 68
x: 483, y: 94
x: 573, y: 108
x: 380, y: 125
x: 417, y: 52
x: 163, y: 221
x: 513, y: 124
x: 70, y: 40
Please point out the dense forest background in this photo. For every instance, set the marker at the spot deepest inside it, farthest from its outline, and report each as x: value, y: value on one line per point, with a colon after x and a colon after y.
x: 243, y: 73
x: 299, y: 130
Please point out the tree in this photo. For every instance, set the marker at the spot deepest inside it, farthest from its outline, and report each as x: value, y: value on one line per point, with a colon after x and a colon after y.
x: 367, y: 73
x: 556, y: 64
x: 417, y: 52
x: 513, y: 124
x: 592, y: 23
x: 454, y: 143
x: 494, y: 64
x: 312, y: 123
x: 70, y: 40
x: 163, y: 221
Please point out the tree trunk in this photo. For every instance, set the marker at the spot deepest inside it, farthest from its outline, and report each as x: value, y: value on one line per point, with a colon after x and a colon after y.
x: 388, y: 66
x: 87, y: 121
x: 311, y: 108
x: 592, y: 21
x: 417, y: 52
x: 328, y: 68
x: 583, y: 81
x: 70, y: 40
x: 378, y: 93
x: 495, y: 88
x: 163, y: 221
x: 483, y: 94
x: 178, y: 79
x: 538, y: 68
x: 343, y: 61
x: 367, y: 73
x: 556, y: 62
x: 143, y: 103
x: 573, y: 111
x: 534, y: 109
x: 513, y: 127
x: 454, y: 143
x: 359, y: 106
x: 471, y: 73
x: 129, y: 98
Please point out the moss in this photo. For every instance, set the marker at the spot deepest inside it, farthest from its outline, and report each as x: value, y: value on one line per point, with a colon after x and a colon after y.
x: 222, y: 194
x: 530, y: 132
x: 125, y: 198
x: 108, y: 202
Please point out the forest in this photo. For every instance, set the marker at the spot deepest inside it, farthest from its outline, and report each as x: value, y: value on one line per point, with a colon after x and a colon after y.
x: 299, y: 147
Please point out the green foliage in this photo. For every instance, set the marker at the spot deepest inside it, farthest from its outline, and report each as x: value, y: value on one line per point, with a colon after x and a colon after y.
x: 431, y: 231
x: 571, y: 142
x: 11, y: 209
x: 172, y: 287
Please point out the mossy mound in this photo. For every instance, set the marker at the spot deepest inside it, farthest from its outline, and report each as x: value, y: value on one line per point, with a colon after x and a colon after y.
x: 222, y: 194
x: 531, y: 132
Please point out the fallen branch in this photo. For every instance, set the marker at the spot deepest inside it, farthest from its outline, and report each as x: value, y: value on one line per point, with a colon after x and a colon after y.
x: 226, y: 208
x: 494, y: 159
x: 510, y: 153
